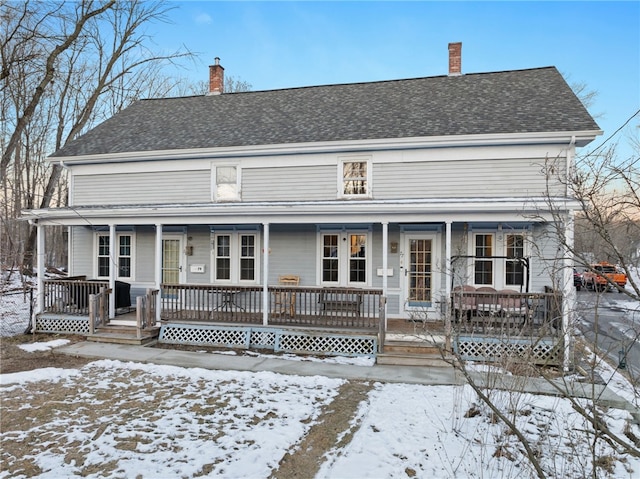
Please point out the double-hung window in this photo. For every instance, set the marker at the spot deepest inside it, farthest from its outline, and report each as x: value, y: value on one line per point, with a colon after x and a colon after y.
x: 355, y: 178
x: 235, y: 257
x: 483, y: 263
x: 123, y: 256
x: 344, y: 259
x: 330, y: 261
x: 514, y: 266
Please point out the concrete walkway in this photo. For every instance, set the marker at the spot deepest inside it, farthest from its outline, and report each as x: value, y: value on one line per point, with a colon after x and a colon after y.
x: 382, y: 373
x: 190, y: 359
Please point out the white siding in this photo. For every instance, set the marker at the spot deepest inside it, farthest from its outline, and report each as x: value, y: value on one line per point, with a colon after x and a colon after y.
x: 145, y: 255
x: 546, y: 260
x: 436, y: 173
x: 293, y: 251
x: 291, y: 183
x: 81, y: 260
x: 464, y: 178
x: 199, y: 238
x: 142, y: 188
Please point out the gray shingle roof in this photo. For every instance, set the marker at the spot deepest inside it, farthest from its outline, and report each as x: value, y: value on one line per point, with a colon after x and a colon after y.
x: 522, y: 101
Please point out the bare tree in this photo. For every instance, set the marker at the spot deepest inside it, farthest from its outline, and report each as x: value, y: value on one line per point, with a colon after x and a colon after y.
x: 65, y: 67
x: 83, y: 13
x: 185, y: 87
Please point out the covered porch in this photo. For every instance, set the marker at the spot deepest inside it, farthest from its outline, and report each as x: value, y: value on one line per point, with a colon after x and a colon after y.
x: 363, y: 267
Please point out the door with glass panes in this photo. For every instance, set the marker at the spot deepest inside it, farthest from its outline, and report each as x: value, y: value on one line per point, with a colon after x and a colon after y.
x: 344, y: 260
x: 172, y: 268
x: 419, y: 271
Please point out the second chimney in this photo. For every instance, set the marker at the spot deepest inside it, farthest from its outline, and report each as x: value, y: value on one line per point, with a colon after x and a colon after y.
x: 455, y: 58
x: 216, y: 78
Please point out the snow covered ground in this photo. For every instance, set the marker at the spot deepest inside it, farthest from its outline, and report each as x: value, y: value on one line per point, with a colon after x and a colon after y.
x: 14, y: 313
x: 120, y: 419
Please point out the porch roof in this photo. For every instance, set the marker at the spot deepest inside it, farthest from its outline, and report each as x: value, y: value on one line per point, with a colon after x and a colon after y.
x: 309, y: 212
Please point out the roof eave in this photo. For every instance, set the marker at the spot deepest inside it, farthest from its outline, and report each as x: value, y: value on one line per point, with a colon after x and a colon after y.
x: 580, y: 138
x: 301, y: 212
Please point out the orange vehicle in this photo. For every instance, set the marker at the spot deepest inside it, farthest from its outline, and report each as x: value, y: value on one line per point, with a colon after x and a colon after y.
x: 602, y: 275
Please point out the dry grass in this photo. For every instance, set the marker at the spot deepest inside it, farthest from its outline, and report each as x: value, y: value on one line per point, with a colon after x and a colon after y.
x: 13, y: 359
x: 29, y: 413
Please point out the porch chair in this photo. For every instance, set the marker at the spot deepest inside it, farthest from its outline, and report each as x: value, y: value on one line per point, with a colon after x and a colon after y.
x: 511, y: 303
x: 464, y: 301
x: 487, y: 302
x: 285, y: 301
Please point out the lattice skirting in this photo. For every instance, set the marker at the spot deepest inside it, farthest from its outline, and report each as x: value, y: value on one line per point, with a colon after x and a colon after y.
x: 545, y: 351
x: 62, y: 324
x: 276, y: 339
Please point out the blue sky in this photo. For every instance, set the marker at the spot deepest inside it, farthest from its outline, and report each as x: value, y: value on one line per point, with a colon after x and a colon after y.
x: 287, y: 44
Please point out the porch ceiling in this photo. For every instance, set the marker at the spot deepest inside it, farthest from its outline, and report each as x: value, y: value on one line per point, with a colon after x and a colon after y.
x: 309, y: 212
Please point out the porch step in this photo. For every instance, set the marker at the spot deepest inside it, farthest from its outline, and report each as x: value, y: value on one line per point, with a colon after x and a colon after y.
x: 396, y: 359
x: 411, y: 353
x: 121, y: 334
x: 411, y: 347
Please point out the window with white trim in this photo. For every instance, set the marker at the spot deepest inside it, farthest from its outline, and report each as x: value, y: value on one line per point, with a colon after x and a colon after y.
x: 355, y: 178
x: 124, y: 256
x: 226, y: 183
x: 344, y: 259
x: 247, y: 257
x: 223, y: 257
x: 514, y: 270
x: 104, y: 260
x: 357, y: 258
x: 483, y: 263
x: 330, y: 260
x: 235, y: 257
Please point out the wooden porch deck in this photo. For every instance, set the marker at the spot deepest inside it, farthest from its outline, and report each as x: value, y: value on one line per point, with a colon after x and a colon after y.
x: 317, y: 320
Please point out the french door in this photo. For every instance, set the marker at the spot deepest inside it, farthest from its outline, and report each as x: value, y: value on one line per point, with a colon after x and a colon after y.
x: 344, y: 260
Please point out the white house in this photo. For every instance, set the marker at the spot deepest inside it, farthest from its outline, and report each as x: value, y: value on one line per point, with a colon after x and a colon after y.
x: 401, y: 189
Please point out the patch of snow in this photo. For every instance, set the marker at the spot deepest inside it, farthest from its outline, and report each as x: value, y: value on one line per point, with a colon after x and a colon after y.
x: 356, y: 360
x: 37, y: 375
x: 43, y: 346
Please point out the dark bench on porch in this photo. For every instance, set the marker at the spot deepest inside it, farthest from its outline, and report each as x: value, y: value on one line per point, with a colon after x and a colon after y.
x: 338, y: 302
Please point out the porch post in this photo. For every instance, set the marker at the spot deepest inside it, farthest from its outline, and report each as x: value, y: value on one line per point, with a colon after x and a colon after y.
x: 265, y: 275
x: 447, y: 262
x: 447, y: 286
x: 568, y: 291
x: 40, y: 254
x: 113, y: 270
x: 385, y: 264
x: 158, y: 270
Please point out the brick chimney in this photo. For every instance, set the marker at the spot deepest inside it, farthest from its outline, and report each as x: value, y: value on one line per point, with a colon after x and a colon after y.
x: 216, y: 78
x: 455, y: 58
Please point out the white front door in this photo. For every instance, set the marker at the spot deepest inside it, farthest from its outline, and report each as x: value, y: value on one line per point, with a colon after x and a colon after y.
x: 420, y: 275
x: 173, y: 271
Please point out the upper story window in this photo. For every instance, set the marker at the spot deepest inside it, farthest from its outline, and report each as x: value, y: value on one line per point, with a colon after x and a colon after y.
x: 356, y: 178
x: 123, y: 256
x: 227, y: 183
